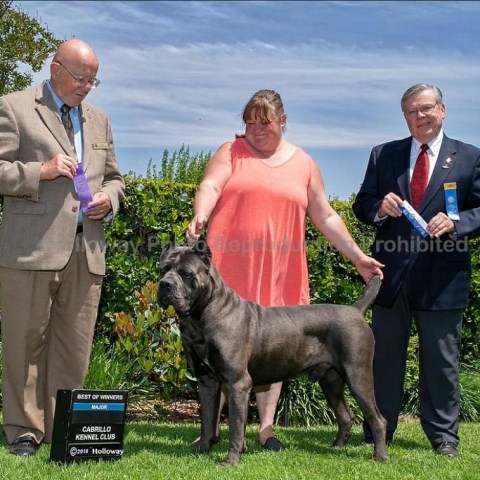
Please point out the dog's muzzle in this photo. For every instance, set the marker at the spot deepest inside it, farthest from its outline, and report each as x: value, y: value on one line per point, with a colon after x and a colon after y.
x: 165, y: 294
x: 169, y: 294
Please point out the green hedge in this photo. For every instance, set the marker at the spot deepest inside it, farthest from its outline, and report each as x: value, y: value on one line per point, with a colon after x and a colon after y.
x: 146, y: 338
x: 152, y: 210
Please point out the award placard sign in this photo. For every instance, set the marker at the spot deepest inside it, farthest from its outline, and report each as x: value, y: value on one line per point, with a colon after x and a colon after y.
x: 88, y: 425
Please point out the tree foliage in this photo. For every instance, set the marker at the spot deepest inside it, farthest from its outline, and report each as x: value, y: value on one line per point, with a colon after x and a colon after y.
x: 181, y: 167
x: 25, y: 45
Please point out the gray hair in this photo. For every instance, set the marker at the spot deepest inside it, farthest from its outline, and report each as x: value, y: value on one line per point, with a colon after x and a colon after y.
x: 420, y: 87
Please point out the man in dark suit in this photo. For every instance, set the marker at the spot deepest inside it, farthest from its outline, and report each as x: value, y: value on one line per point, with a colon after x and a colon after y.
x: 427, y: 269
x: 52, y: 255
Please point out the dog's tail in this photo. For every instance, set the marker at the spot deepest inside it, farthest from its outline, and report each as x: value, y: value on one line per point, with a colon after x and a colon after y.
x: 369, y: 295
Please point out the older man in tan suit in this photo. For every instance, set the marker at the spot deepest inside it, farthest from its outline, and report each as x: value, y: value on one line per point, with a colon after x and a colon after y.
x: 52, y: 255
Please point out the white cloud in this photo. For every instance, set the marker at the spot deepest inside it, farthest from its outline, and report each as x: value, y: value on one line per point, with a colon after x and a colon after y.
x: 178, y: 73
x: 195, y: 92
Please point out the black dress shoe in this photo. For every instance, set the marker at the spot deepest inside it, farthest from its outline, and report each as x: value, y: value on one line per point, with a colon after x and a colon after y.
x: 24, y: 447
x: 449, y: 449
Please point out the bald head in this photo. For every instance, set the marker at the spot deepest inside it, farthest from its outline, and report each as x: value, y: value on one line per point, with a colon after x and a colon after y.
x: 76, y: 51
x: 73, y: 71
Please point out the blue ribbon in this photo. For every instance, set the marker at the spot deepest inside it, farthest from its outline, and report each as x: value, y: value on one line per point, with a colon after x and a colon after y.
x: 451, y: 204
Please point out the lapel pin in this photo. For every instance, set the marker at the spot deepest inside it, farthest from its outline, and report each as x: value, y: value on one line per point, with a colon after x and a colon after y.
x: 448, y: 161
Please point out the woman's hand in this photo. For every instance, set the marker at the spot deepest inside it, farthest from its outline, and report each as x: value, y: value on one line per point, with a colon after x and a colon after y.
x: 368, y: 267
x: 195, y: 228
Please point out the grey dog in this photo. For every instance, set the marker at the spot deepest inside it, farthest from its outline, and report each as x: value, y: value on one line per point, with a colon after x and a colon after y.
x: 228, y: 340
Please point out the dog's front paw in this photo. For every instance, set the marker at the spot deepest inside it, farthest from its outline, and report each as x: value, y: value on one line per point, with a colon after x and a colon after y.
x: 380, y: 456
x: 200, y: 446
x: 232, y: 459
x: 203, y: 446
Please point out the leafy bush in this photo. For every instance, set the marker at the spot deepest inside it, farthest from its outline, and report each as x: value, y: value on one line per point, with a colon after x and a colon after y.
x: 332, y: 278
x: 136, y: 332
x: 151, y: 211
x: 302, y: 403
x: 158, y: 205
x: 470, y: 392
x: 154, y: 207
x: 469, y: 387
x: 25, y: 45
x: 150, y: 343
x: 180, y: 167
x: 106, y: 370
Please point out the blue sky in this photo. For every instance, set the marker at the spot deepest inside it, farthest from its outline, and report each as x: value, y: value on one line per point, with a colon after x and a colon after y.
x: 181, y: 72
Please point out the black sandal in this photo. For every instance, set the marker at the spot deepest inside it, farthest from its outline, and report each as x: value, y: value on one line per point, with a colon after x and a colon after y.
x: 273, y: 444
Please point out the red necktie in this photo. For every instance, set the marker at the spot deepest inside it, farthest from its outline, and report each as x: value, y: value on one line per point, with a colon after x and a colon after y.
x: 419, y: 180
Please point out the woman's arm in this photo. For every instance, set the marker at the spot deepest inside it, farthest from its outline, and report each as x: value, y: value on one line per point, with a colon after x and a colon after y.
x: 219, y: 170
x: 327, y: 220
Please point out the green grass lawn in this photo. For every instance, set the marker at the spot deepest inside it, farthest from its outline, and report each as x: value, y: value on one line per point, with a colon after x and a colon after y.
x: 161, y: 451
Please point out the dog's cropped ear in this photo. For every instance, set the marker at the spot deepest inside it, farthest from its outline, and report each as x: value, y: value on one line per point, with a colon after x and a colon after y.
x: 202, y: 248
x: 166, y: 246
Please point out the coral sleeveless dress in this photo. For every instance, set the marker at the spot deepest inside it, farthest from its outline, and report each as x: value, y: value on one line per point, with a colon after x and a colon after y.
x: 257, y: 230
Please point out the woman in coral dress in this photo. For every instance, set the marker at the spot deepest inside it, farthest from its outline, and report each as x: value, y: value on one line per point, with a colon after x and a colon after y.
x: 255, y: 196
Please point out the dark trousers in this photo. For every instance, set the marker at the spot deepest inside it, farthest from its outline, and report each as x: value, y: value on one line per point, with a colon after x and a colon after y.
x: 439, y: 335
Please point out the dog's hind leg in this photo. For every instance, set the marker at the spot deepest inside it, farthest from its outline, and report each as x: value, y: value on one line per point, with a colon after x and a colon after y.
x: 333, y: 388
x: 209, y: 392
x: 360, y: 383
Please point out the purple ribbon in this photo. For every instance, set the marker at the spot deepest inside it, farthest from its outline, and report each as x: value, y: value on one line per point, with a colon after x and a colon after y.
x: 82, y: 188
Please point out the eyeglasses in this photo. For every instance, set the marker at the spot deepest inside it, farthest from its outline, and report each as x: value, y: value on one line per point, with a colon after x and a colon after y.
x: 81, y: 82
x: 424, y: 110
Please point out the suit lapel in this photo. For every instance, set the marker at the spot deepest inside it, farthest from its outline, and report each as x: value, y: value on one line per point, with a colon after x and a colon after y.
x: 402, y: 166
x: 445, y: 163
x: 87, y: 133
x: 47, y: 110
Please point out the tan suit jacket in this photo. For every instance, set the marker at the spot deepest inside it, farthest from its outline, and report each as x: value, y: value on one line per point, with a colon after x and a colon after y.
x: 40, y: 217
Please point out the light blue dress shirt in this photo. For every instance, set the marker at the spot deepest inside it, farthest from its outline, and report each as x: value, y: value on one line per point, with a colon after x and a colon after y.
x: 77, y: 131
x: 76, y: 123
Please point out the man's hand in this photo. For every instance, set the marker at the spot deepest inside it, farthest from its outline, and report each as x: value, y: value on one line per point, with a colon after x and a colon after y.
x: 439, y: 225
x: 59, y: 166
x: 99, y: 207
x: 390, y: 206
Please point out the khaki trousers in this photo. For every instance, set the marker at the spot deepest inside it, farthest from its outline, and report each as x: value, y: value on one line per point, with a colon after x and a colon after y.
x: 48, y: 321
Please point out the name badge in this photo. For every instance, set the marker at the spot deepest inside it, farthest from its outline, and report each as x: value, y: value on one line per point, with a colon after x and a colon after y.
x: 451, y: 204
x: 100, y: 146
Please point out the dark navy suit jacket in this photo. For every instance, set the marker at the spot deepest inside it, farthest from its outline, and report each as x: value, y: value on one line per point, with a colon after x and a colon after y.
x: 438, y: 269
